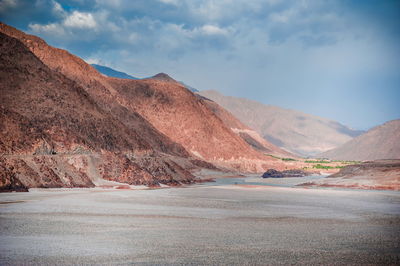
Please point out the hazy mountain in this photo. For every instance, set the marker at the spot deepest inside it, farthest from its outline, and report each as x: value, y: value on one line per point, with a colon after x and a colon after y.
x: 246, y: 133
x: 112, y: 72
x: 291, y: 130
x: 381, y: 142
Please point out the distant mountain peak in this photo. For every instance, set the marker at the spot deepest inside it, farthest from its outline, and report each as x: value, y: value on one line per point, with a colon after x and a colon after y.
x: 108, y: 71
x: 163, y: 77
x: 167, y: 78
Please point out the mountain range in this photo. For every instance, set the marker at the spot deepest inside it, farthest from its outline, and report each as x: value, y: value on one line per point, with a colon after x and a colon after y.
x: 299, y: 133
x: 64, y: 124
x: 378, y: 143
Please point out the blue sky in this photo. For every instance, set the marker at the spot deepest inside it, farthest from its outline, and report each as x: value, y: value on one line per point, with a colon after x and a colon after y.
x: 336, y: 59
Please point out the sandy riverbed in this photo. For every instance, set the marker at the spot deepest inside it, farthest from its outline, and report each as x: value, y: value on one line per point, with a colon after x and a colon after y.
x: 224, y: 224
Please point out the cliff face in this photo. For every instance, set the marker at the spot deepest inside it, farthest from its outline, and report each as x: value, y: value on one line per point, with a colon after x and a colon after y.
x: 294, y: 131
x: 381, y: 142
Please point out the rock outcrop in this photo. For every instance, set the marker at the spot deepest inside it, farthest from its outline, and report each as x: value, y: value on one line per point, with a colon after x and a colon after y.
x: 272, y: 173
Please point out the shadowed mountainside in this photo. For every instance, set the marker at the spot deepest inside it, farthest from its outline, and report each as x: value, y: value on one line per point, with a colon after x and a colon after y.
x: 380, y: 142
x: 294, y: 131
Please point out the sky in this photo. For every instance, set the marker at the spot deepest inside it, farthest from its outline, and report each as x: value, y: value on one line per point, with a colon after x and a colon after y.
x: 336, y: 59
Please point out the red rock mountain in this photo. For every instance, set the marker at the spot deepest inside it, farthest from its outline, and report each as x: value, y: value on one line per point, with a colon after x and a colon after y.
x: 65, y: 124
x: 250, y: 136
x: 381, y: 142
x: 53, y: 134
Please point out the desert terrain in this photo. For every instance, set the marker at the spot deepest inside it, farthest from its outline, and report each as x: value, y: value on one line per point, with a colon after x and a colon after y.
x: 212, y: 223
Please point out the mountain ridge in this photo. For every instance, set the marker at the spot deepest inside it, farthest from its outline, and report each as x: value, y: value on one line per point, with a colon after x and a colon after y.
x: 131, y: 131
x: 295, y: 131
x: 380, y: 142
x: 110, y: 72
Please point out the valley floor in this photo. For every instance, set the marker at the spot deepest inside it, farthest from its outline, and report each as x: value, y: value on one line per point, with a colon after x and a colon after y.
x: 201, y: 224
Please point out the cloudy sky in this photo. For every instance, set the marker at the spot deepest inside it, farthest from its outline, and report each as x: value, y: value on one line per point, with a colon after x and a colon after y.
x: 336, y: 59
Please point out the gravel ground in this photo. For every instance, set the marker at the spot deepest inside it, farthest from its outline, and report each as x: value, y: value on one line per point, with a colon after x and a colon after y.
x: 225, y: 224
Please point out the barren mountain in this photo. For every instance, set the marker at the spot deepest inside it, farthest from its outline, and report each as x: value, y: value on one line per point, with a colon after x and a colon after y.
x: 59, y: 113
x: 181, y: 115
x: 294, y: 131
x: 381, y: 142
x: 247, y: 134
x: 53, y: 134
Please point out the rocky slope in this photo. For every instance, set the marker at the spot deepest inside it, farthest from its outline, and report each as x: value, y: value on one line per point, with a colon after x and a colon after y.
x: 248, y: 135
x: 294, y: 131
x: 381, y: 142
x: 72, y: 126
x: 51, y: 129
x: 187, y: 120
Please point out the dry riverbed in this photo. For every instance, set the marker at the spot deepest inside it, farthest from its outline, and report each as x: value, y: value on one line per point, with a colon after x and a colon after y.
x: 218, y: 223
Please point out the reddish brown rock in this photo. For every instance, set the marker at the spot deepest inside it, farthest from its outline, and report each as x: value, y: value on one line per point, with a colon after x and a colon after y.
x: 186, y: 122
x: 58, y: 112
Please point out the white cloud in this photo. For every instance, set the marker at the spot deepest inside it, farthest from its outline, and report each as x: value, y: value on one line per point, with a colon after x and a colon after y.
x: 213, y: 30
x: 80, y: 20
x: 52, y: 29
x: 58, y: 10
x: 93, y: 61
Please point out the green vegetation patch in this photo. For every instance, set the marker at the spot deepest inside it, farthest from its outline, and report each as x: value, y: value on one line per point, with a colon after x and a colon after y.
x: 283, y: 159
x: 319, y: 166
x: 315, y: 161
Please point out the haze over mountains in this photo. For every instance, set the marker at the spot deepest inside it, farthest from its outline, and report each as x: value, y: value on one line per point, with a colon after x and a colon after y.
x: 65, y: 124
x: 295, y: 131
x: 380, y: 142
